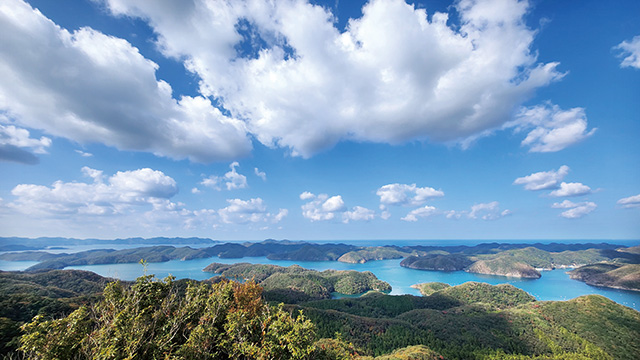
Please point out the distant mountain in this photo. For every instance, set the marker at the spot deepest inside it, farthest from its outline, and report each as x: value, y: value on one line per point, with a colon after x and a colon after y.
x: 20, y: 243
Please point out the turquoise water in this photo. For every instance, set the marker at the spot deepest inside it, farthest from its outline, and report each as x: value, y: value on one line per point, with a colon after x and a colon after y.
x: 554, y: 285
x: 15, y: 265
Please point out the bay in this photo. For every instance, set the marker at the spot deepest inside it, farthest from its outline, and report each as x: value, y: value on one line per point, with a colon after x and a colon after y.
x: 553, y: 285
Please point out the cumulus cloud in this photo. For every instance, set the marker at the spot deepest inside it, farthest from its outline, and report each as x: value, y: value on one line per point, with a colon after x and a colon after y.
x: 232, y: 180
x: 543, y: 180
x: 17, y: 145
x: 422, y: 212
x: 358, y: 213
x: 321, y: 207
x: 92, y: 87
x: 249, y: 211
x: 550, y: 128
x: 299, y: 82
x: 487, y: 211
x: 117, y: 195
x: 630, y: 202
x: 408, y: 195
x: 630, y: 52
x: 571, y: 189
x: 126, y: 201
x: 575, y: 210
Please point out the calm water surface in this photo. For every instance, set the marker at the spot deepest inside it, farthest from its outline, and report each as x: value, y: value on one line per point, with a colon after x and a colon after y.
x: 554, y: 285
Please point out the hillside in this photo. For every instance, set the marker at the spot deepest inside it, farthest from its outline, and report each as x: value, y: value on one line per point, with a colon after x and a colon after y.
x: 372, y: 253
x: 468, y: 321
x: 504, y: 266
x: 618, y: 276
x: 427, y: 289
x: 450, y: 262
x: 296, y: 284
x: 480, y: 321
x: 52, y: 294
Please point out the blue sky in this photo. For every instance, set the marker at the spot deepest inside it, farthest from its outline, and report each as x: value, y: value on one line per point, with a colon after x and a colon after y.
x: 496, y: 119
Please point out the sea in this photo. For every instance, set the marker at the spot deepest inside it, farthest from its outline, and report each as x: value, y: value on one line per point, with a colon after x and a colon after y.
x: 553, y: 285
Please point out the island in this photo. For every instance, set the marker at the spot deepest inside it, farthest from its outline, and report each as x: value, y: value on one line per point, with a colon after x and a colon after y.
x: 523, y: 262
x: 297, y: 284
x: 617, y: 276
x: 509, y: 260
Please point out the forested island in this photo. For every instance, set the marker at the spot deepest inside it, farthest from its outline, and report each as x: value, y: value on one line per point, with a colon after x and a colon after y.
x: 511, y: 260
x: 617, y: 276
x: 81, y: 315
x: 296, y: 284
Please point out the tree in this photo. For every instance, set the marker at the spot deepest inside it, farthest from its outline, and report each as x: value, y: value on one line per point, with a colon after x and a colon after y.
x: 156, y: 319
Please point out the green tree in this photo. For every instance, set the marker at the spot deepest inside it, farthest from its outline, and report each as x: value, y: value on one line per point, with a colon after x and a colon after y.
x: 156, y: 319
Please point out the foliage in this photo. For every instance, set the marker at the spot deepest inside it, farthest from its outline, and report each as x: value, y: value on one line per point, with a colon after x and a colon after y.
x: 295, y: 284
x: 373, y: 253
x: 450, y: 262
x: 501, y: 296
x: 418, y: 352
x: 504, y: 266
x: 50, y: 294
x: 599, y: 320
x: 429, y: 288
x: 480, y: 321
x: 150, y: 320
x: 222, y: 319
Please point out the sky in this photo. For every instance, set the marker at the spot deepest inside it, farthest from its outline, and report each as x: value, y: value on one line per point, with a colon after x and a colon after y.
x: 336, y: 120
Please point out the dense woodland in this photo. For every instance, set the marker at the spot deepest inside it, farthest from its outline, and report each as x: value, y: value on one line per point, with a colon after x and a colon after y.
x: 295, y: 284
x: 80, y: 315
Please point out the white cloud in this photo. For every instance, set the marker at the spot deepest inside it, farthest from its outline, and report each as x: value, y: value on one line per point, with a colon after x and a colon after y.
x: 422, y: 212
x: 260, y: 174
x: 487, y: 211
x: 332, y: 204
x: 306, y: 196
x: 630, y: 202
x: 321, y: 207
x: 83, y: 154
x: 126, y: 202
x: 408, y: 195
x: 543, y: 180
x: 392, y: 76
x: 16, y: 142
x: 385, y: 213
x: 575, y: 210
x: 120, y: 194
x: 91, y: 87
x: 630, y: 50
x: 195, y: 190
x: 358, y: 213
x: 551, y: 128
x: 452, y: 214
x: 571, y: 189
x: 282, y: 213
x: 232, y: 179
x: 248, y: 211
